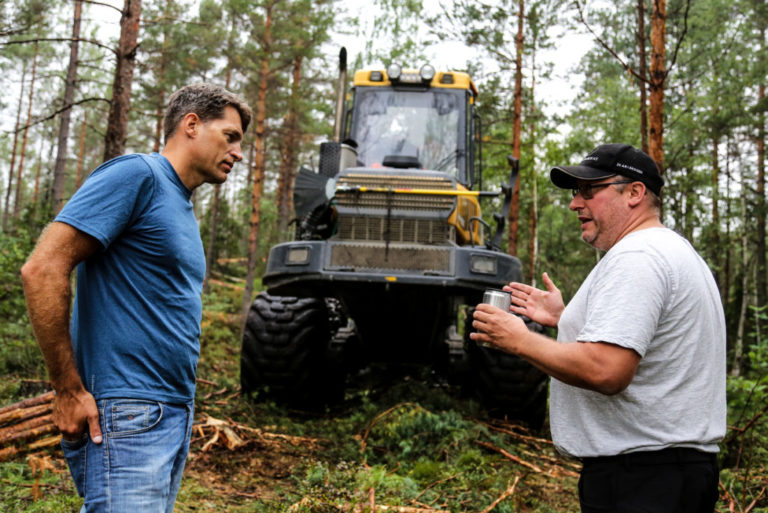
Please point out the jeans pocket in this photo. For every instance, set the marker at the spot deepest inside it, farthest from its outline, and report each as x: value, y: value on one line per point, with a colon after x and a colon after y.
x: 75, y: 454
x: 130, y: 417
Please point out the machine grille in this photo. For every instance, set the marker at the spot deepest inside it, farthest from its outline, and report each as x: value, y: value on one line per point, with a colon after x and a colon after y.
x: 391, y: 201
x: 421, y: 231
x: 391, y: 258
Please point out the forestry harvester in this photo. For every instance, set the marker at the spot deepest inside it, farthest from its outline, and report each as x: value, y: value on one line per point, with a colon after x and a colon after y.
x: 390, y: 252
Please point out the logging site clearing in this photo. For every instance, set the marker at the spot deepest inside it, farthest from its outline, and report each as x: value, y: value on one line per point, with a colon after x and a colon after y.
x: 402, y: 441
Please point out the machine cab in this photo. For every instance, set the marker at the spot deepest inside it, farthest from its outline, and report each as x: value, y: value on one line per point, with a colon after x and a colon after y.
x: 414, y: 119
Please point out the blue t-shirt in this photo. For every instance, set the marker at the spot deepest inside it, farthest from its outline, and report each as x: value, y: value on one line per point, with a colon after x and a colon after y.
x: 136, y: 319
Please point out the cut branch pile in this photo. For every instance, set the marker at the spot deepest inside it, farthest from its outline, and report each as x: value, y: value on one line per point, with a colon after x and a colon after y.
x: 232, y: 435
x: 27, y: 426
x: 540, y: 455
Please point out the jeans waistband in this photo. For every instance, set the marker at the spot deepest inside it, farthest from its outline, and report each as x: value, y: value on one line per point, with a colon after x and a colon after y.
x: 664, y: 456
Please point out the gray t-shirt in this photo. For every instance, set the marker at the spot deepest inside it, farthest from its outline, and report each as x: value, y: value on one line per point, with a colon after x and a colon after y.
x: 654, y: 294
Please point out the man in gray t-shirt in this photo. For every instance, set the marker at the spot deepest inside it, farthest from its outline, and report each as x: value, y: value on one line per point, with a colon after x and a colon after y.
x: 638, y: 368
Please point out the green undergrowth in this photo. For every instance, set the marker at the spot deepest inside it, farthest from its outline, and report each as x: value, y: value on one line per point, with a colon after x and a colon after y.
x: 402, y: 437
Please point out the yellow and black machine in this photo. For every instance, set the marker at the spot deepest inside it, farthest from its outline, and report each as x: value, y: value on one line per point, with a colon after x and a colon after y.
x: 390, y: 251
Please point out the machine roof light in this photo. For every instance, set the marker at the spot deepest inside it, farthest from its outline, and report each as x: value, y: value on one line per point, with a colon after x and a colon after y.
x: 427, y: 72
x: 393, y: 71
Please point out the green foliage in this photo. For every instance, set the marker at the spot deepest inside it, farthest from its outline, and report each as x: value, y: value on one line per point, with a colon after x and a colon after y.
x: 18, y: 352
x: 20, y: 483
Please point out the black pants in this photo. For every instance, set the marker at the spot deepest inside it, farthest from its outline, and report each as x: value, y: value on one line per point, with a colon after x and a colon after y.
x: 673, y: 480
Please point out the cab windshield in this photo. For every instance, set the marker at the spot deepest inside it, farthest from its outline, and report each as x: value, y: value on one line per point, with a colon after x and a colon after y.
x: 427, y: 126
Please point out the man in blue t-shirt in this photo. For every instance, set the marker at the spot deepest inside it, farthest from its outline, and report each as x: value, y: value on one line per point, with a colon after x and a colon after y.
x: 123, y: 366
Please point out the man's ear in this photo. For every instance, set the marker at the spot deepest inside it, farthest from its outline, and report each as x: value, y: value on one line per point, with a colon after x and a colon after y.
x: 189, y: 125
x: 636, y: 193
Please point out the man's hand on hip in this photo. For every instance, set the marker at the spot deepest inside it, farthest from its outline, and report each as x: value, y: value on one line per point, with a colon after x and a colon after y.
x: 74, y: 412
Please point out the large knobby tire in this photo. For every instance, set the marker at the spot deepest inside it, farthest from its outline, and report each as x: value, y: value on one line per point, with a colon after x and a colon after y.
x: 506, y: 384
x: 285, y: 349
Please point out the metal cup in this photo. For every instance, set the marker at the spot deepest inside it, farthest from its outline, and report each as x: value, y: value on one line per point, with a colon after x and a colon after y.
x: 497, y: 298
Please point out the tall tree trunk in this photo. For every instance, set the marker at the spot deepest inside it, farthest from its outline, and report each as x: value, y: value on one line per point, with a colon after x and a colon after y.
x: 762, y: 268
x: 81, y: 151
x: 657, y: 79
x: 514, y: 210
x: 38, y: 172
x: 259, y: 163
x: 213, y: 225
x: 738, y: 347
x: 7, y: 209
x: 289, y: 148
x: 716, y: 250
x: 160, y: 78
x: 726, y: 285
x: 59, y: 170
x: 19, y: 196
x: 533, y: 244
x: 117, y: 124
x: 643, y: 72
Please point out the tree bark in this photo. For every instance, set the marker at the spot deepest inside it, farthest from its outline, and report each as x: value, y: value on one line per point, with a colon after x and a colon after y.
x: 81, y: 151
x: 715, y: 255
x: 533, y: 244
x: 210, y: 253
x: 738, y: 347
x: 59, y: 171
x: 117, y: 124
x: 514, y: 210
x: 657, y: 79
x: 642, y: 71
x: 19, y: 196
x: 289, y: 148
x: 762, y: 267
x: 7, y: 209
x: 259, y: 163
x: 213, y: 225
x: 160, y: 110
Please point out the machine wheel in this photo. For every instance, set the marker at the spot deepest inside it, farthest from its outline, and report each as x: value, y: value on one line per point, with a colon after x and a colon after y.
x: 285, y: 351
x: 506, y: 384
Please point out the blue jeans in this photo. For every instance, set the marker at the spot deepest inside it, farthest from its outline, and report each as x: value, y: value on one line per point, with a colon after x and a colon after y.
x: 138, y: 466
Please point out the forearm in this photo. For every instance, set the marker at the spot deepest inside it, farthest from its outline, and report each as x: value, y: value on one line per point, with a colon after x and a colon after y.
x: 597, y: 366
x: 48, y: 294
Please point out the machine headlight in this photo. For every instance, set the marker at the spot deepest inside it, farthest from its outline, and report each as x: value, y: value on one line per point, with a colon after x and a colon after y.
x: 482, y: 264
x: 427, y: 72
x: 298, y: 256
x: 393, y: 71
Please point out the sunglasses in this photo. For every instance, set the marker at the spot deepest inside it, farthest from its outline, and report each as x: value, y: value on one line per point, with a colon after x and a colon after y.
x: 585, y: 189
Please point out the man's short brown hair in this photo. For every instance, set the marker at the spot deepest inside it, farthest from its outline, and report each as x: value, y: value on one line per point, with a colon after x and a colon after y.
x: 208, y: 101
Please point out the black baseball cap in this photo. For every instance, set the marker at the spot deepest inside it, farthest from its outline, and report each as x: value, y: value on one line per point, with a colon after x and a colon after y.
x: 609, y: 160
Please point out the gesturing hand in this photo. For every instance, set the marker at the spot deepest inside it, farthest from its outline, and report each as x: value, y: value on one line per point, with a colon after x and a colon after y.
x: 542, y: 306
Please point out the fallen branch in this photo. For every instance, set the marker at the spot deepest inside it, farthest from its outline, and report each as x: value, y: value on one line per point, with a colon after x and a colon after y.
x: 45, y: 442
x: 507, y: 493
x: 360, y: 508
x: 7, y: 431
x: 235, y: 435
x: 754, y: 502
x: 519, y: 436
x: 364, y: 440
x: 510, y: 456
x: 26, y: 434
x: 8, y: 453
x: 32, y: 401
x: 25, y: 413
